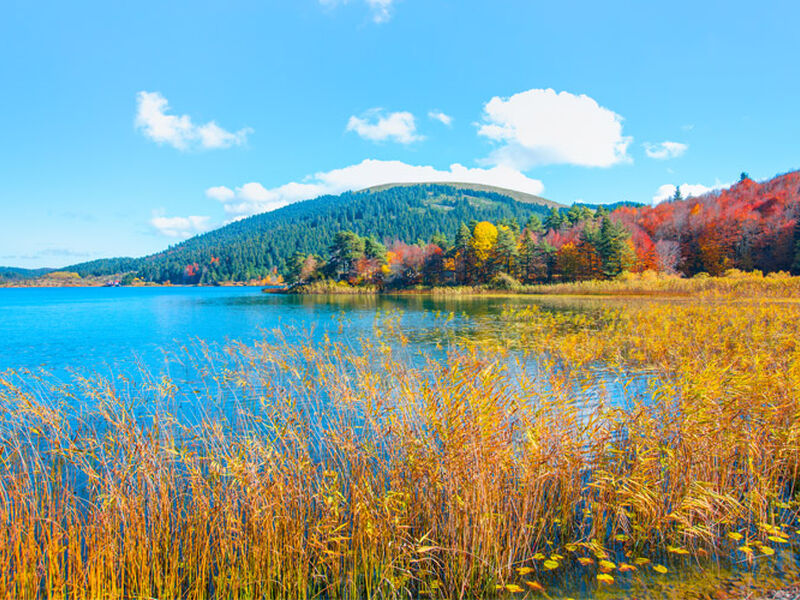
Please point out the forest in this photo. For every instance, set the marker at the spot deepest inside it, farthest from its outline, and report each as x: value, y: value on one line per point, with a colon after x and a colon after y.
x: 262, y: 245
x: 426, y: 235
x: 747, y: 227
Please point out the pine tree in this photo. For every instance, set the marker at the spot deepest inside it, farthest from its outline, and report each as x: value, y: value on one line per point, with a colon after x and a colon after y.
x: 614, y: 248
x: 554, y: 220
x: 505, y: 249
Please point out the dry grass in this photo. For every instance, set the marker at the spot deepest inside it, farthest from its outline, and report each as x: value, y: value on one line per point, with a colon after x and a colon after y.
x: 322, y: 472
x: 649, y: 283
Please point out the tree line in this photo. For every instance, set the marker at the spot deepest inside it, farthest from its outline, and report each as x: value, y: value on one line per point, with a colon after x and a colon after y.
x: 748, y: 226
x: 480, y: 252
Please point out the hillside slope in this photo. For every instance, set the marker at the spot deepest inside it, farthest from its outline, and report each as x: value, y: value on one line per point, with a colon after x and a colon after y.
x: 254, y: 247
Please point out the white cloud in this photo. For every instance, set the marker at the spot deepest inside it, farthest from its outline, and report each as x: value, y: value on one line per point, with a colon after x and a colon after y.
x: 376, y: 126
x: 221, y: 193
x: 381, y: 10
x: 688, y: 190
x: 253, y: 198
x: 179, y: 131
x: 443, y: 118
x: 540, y: 127
x: 665, y: 150
x: 180, y: 227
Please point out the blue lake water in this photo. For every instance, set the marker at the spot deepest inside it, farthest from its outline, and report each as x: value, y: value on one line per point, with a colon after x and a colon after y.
x: 75, y: 328
x: 122, y: 330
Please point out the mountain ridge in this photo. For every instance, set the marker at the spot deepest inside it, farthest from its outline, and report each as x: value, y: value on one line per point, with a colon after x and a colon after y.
x: 262, y: 244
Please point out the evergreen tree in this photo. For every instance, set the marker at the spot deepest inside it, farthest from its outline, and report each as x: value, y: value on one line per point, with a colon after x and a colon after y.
x: 346, y: 250
x: 554, y: 220
x: 795, y: 270
x: 505, y: 249
x: 534, y: 224
x: 374, y: 249
x: 463, y: 237
x: 440, y: 240
x: 613, y: 248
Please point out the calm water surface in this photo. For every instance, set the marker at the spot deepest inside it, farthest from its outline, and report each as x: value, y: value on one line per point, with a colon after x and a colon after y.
x: 77, y: 328
x: 113, y: 331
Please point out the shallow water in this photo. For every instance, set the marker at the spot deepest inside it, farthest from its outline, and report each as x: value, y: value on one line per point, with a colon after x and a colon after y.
x: 89, y: 328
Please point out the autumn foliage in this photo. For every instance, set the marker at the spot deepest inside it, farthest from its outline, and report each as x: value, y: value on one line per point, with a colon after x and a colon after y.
x: 749, y: 227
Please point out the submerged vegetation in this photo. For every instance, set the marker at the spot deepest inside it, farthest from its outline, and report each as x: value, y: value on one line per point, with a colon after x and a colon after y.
x: 649, y: 448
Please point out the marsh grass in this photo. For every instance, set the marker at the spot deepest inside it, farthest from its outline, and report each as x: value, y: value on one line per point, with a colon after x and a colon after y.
x: 332, y: 471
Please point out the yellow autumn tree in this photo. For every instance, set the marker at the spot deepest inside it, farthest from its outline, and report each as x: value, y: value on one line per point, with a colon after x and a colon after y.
x: 484, y: 237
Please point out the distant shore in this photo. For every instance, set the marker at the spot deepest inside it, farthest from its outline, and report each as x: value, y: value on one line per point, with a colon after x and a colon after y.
x: 733, y: 283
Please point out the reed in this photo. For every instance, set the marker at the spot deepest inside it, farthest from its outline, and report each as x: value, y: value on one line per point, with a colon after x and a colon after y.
x: 613, y: 450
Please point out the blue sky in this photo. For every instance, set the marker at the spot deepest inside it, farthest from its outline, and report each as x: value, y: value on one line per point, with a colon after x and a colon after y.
x: 128, y: 126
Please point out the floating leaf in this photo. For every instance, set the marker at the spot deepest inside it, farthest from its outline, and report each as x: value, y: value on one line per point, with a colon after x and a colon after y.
x: 607, y: 565
x: 777, y: 539
x: 513, y: 588
x: 524, y: 570
x: 745, y: 549
x: 550, y: 565
x: 538, y: 556
x: 585, y: 561
x: 605, y: 578
x: 642, y: 561
x: 660, y: 569
x: 767, y: 550
x: 535, y: 586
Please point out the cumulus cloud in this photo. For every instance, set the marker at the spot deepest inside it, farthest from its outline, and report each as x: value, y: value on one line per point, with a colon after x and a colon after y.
x: 253, y: 198
x: 688, y: 190
x: 381, y: 10
x: 153, y: 120
x: 665, y: 150
x: 443, y: 118
x: 541, y: 127
x: 180, y: 227
x: 377, y: 126
x: 221, y: 193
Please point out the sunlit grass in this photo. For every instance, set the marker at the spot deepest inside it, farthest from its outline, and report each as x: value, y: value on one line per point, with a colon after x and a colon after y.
x: 280, y: 471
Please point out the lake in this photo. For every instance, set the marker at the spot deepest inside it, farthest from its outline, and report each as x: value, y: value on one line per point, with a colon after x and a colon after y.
x: 129, y: 331
x: 94, y: 328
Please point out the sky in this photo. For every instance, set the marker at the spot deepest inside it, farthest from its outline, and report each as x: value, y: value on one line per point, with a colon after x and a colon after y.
x: 129, y: 126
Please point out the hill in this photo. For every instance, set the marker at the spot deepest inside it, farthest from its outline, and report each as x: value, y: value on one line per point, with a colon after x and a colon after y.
x: 254, y: 247
x: 16, y: 273
x: 476, y: 187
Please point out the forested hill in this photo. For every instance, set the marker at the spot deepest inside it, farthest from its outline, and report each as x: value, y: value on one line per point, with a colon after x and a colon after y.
x: 252, y: 248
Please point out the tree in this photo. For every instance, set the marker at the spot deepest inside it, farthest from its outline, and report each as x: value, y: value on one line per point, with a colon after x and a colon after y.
x: 614, y: 248
x: 439, y: 239
x: 484, y: 237
x: 795, y: 269
x: 346, y: 250
x: 505, y: 249
x: 463, y: 256
x: 677, y: 196
x: 554, y: 220
x: 534, y: 225
x: 373, y: 249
